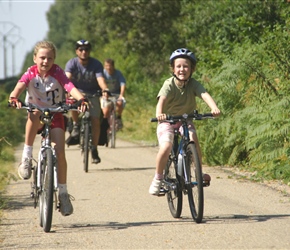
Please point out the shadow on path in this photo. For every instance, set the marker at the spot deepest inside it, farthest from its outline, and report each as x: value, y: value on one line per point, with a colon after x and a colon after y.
x: 240, y: 218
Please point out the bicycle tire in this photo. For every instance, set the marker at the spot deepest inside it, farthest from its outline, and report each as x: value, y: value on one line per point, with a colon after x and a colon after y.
x: 40, y: 200
x: 46, y: 194
x: 86, y: 146
x: 113, y: 129
x: 174, y: 197
x: 195, y: 187
x: 34, y: 191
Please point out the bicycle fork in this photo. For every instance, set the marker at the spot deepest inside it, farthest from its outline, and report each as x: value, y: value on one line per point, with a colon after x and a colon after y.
x: 41, y: 158
x: 182, y: 169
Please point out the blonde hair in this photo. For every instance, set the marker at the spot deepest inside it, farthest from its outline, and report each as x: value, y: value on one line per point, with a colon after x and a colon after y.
x: 44, y: 45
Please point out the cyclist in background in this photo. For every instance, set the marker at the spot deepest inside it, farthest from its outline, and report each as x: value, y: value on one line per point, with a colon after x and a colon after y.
x: 177, y: 96
x: 117, y: 85
x: 87, y: 75
x: 45, y: 84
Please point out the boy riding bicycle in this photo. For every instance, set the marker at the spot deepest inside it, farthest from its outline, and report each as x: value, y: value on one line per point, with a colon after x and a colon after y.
x: 177, y: 97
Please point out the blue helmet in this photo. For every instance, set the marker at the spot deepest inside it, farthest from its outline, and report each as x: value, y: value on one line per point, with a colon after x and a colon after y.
x: 183, y: 53
x: 83, y: 43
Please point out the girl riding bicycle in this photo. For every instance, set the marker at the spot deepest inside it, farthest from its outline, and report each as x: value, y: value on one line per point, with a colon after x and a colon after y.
x: 177, y: 97
x: 45, y: 83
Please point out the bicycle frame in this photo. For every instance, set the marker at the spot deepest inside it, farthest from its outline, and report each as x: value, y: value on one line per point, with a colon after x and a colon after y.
x: 186, y: 178
x: 45, y: 180
x: 182, y: 149
x: 46, y: 143
x: 178, y: 147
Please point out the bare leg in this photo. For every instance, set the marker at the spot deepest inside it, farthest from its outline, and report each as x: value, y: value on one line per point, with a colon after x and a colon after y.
x: 106, y: 112
x: 58, y: 137
x: 75, y: 116
x: 162, y: 157
x: 32, y: 125
x: 119, y: 108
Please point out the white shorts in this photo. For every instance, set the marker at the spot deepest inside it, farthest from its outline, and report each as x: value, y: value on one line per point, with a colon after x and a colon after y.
x: 165, y: 131
x: 106, y: 103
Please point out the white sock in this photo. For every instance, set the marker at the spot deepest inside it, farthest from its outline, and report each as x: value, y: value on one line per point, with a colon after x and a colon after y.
x: 159, y: 176
x: 62, y: 188
x: 27, y: 152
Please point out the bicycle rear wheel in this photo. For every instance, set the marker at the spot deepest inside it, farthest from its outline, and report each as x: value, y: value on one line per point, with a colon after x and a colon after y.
x: 195, y: 187
x: 46, y: 194
x: 174, y: 196
x: 86, y: 146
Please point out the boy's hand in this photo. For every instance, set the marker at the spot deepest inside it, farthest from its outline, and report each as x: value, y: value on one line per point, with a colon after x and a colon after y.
x: 216, y: 112
x: 161, y: 117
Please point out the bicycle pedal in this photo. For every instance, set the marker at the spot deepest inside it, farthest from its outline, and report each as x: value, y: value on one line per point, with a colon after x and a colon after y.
x: 162, y: 192
x: 206, y: 184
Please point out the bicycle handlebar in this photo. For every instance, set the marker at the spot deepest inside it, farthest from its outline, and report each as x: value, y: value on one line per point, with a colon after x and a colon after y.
x: 61, y: 107
x: 98, y: 93
x: 195, y: 116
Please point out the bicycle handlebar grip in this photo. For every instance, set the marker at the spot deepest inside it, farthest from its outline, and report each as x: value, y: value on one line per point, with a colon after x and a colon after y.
x: 154, y: 120
x: 208, y: 115
x: 107, y: 91
x: 22, y: 104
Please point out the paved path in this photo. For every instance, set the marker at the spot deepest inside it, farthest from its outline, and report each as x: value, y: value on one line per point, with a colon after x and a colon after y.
x: 113, y: 210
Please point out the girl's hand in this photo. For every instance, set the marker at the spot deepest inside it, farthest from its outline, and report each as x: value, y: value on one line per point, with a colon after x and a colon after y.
x: 14, y: 102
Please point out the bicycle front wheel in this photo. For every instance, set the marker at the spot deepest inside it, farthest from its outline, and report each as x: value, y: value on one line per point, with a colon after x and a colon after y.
x: 194, y: 185
x: 86, y: 146
x: 174, y: 194
x: 113, y: 129
x: 46, y: 194
x: 34, y: 190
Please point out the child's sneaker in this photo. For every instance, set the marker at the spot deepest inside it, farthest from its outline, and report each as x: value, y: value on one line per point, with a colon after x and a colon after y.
x: 155, y: 187
x: 24, y: 169
x: 66, y: 207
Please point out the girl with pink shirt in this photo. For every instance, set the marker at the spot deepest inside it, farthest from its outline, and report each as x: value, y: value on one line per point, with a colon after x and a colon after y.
x: 45, y: 84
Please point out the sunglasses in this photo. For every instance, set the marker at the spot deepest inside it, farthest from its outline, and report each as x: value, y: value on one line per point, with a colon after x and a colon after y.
x: 83, y: 49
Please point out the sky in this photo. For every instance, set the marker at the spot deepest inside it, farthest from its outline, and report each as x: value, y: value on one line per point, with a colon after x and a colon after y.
x: 23, y: 23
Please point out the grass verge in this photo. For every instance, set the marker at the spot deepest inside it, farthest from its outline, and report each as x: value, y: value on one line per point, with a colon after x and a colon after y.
x: 6, y: 173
